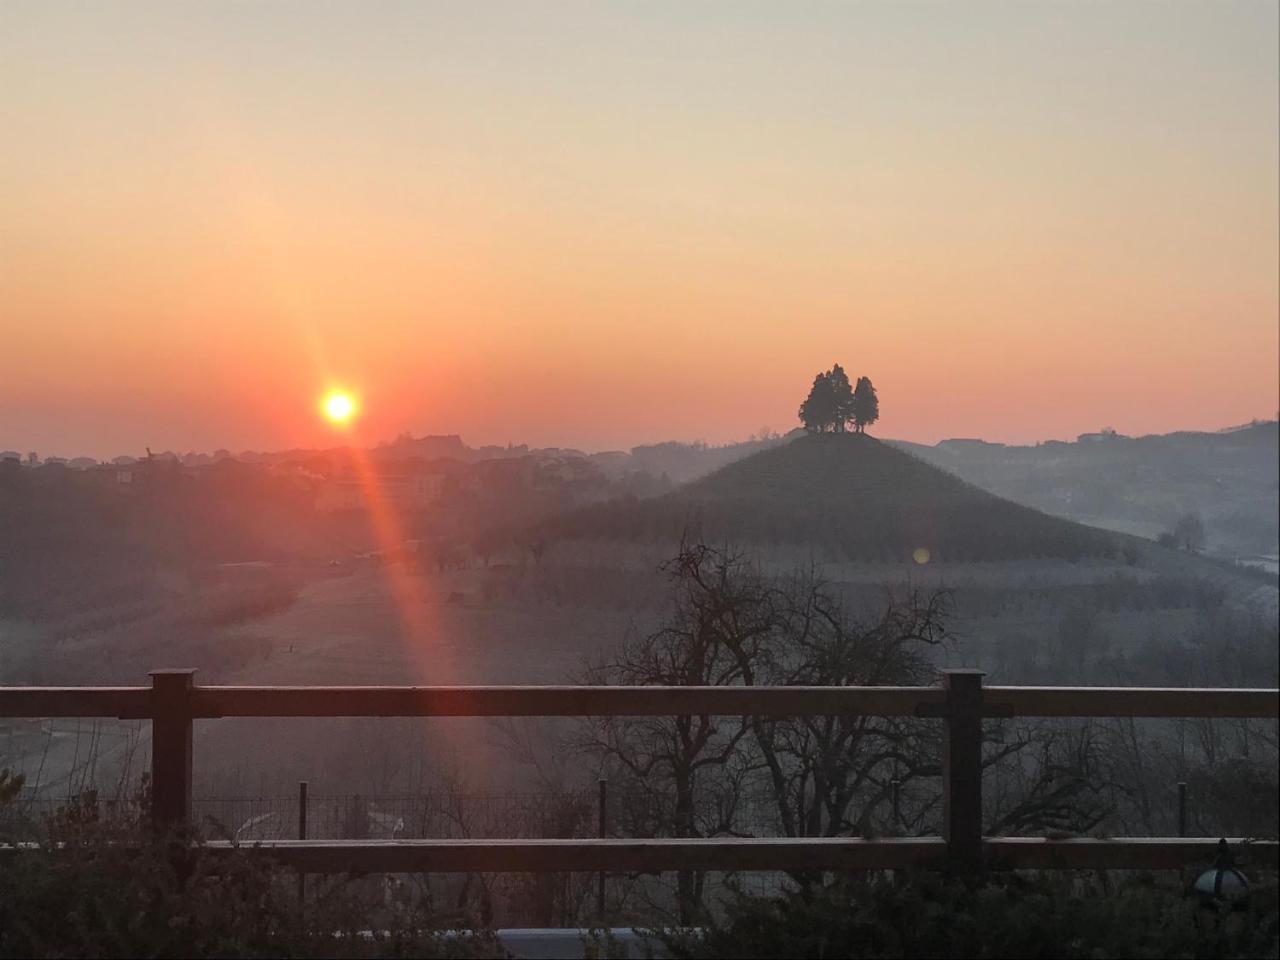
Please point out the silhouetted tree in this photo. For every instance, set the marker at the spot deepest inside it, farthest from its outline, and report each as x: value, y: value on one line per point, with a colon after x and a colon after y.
x: 866, y: 406
x: 841, y: 397
x: 1188, y: 532
x: 819, y: 410
x: 733, y: 624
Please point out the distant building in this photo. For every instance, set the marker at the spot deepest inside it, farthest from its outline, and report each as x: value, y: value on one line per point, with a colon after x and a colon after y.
x: 966, y: 443
x: 428, y: 448
x: 404, y: 490
x: 1100, y: 435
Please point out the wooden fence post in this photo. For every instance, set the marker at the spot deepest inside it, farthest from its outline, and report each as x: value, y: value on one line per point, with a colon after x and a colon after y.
x: 962, y: 770
x: 602, y: 830
x: 171, y: 747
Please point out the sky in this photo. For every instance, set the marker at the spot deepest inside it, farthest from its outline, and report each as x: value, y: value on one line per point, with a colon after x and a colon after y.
x: 604, y: 224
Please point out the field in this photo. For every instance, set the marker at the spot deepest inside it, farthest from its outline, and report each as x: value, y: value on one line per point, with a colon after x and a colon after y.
x: 517, y: 621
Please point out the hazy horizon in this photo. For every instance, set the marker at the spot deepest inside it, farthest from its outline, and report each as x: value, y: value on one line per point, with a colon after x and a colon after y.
x: 336, y: 442
x: 596, y: 227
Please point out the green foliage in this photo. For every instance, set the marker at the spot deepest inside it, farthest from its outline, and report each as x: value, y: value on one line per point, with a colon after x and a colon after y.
x: 1055, y: 916
x: 110, y: 888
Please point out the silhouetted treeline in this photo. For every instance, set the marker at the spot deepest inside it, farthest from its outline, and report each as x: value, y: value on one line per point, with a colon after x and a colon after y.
x: 74, y: 541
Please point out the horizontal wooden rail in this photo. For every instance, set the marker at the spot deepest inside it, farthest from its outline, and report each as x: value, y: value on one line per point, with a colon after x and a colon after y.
x: 732, y: 854
x: 1123, y: 853
x: 566, y: 701
x: 486, y: 701
x: 604, y: 701
x: 592, y: 855
x: 1130, y: 702
x: 125, y: 703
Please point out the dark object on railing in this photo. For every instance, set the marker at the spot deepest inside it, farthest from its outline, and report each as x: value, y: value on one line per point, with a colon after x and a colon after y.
x: 1222, y: 885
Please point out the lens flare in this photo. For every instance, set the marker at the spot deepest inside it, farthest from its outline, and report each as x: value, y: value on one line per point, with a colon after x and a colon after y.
x: 339, y: 407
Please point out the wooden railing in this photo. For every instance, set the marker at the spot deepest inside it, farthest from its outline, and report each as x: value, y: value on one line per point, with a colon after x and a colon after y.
x: 173, y: 702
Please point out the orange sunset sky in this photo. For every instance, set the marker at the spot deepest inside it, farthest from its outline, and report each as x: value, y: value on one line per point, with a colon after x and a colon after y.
x: 597, y: 225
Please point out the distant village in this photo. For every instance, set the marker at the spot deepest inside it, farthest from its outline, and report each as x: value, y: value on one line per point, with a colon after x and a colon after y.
x: 410, y: 473
x: 1148, y: 482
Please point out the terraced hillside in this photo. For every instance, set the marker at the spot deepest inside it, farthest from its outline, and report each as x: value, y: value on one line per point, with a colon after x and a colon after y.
x: 851, y: 496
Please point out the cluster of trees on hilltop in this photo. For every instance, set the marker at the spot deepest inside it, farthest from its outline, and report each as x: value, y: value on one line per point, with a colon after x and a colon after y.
x: 833, y: 405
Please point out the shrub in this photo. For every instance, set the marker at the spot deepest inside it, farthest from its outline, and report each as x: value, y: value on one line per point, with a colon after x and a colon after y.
x: 110, y: 888
x: 1057, y: 916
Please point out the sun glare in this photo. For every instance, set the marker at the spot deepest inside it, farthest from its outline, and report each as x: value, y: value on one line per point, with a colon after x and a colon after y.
x: 339, y: 407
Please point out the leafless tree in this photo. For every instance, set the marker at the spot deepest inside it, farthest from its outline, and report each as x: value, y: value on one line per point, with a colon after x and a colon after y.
x: 697, y: 776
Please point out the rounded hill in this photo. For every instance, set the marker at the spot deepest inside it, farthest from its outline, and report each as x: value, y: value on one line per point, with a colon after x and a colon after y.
x: 850, y: 495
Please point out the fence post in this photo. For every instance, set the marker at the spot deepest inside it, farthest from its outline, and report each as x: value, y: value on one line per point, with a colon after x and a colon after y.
x: 1182, y: 808
x: 171, y: 747
x: 962, y: 770
x: 896, y: 793
x: 602, y: 824
x: 302, y: 835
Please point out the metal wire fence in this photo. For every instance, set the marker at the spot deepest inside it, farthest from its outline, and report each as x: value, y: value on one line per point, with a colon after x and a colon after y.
x: 431, y: 815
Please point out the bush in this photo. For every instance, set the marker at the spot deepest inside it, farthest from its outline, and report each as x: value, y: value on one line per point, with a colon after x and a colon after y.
x: 109, y: 888
x: 1009, y: 916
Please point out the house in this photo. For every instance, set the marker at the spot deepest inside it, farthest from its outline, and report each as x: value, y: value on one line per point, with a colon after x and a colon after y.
x: 406, y: 487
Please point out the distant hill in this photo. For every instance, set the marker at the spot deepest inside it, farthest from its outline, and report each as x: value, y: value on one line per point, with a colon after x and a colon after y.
x: 850, y: 495
x: 1138, y: 485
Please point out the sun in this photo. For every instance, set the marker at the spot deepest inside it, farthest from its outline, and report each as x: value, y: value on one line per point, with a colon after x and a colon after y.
x: 338, y: 407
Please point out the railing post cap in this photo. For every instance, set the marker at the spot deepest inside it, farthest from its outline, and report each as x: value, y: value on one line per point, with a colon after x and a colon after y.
x: 178, y: 673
